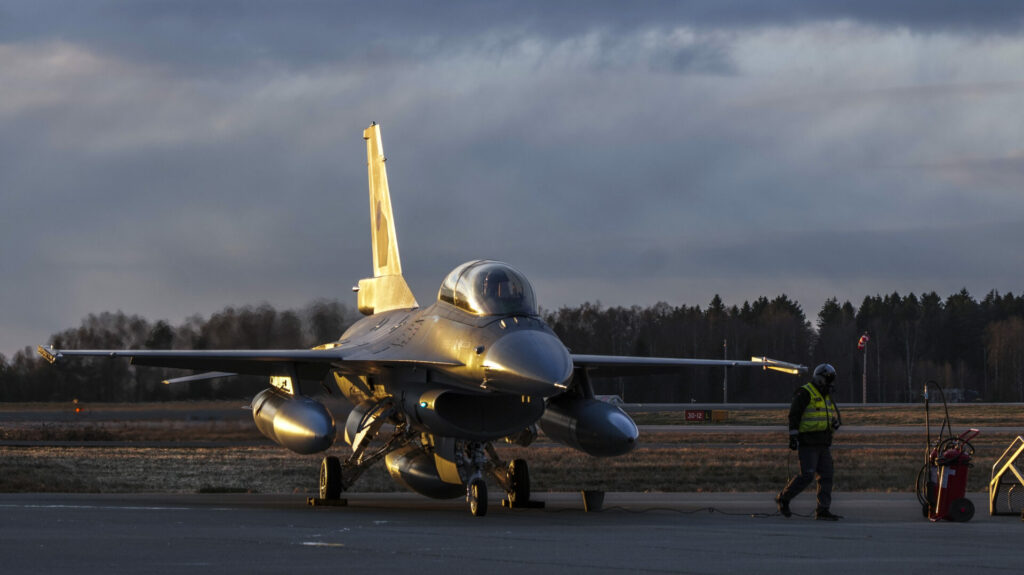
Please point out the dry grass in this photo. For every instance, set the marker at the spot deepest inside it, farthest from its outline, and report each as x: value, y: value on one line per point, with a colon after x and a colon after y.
x: 67, y: 406
x: 712, y: 466
x: 157, y: 430
x: 268, y: 469
x: 960, y: 415
x: 728, y: 467
x: 665, y: 461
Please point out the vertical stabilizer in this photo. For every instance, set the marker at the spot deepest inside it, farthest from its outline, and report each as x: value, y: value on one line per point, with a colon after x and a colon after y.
x: 387, y: 288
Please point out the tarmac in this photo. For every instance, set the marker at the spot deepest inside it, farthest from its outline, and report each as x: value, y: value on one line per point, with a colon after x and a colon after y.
x: 405, y: 533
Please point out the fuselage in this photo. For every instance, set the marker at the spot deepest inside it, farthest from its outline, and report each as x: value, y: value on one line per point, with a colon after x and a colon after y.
x: 455, y: 373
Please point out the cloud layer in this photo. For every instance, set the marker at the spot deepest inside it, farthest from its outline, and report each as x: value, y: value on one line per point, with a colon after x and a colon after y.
x: 174, y: 158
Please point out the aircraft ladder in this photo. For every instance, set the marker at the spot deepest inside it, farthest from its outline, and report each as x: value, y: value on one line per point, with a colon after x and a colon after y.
x: 1006, y: 477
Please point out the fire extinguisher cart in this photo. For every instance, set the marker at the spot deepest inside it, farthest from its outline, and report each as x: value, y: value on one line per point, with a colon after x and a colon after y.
x: 942, y: 481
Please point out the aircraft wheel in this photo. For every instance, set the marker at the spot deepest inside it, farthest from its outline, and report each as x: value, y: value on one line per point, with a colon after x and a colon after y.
x: 519, y: 474
x: 477, y: 496
x: 330, y: 478
x: 961, y: 510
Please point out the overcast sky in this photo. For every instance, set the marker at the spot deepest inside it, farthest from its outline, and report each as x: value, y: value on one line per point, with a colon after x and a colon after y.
x: 174, y: 158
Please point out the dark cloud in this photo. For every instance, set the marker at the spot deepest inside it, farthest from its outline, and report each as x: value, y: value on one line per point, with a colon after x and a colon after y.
x: 221, y: 36
x: 171, y: 158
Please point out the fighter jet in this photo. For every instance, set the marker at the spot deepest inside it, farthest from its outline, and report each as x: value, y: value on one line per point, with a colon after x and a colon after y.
x: 433, y: 387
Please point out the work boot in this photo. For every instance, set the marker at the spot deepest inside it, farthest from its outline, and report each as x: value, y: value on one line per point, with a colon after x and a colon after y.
x: 783, y: 506
x: 826, y: 515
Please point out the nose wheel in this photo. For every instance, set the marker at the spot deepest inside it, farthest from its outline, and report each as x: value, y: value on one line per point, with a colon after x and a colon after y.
x: 480, y: 460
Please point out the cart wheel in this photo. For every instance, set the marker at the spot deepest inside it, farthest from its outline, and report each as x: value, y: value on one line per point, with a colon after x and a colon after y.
x: 961, y: 510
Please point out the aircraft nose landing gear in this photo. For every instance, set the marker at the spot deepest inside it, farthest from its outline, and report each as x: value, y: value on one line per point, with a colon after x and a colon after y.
x: 513, y: 477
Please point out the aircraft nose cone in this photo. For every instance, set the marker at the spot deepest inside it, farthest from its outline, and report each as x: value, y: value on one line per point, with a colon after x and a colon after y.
x: 528, y: 363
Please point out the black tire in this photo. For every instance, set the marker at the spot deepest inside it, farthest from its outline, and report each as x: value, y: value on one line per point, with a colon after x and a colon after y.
x: 519, y: 475
x: 961, y: 510
x: 330, y: 478
x: 477, y: 496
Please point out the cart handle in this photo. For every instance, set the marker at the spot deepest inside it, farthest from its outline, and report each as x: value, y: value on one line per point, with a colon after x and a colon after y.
x: 969, y: 434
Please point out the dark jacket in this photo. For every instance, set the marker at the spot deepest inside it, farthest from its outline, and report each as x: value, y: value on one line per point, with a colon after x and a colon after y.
x: 801, y: 399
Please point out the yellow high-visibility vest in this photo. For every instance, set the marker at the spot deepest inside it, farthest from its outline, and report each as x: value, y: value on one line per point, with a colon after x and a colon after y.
x: 818, y: 415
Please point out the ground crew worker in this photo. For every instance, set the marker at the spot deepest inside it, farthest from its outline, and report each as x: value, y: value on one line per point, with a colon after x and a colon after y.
x: 812, y: 420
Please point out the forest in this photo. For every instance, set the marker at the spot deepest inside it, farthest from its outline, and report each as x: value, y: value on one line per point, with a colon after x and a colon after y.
x: 973, y: 349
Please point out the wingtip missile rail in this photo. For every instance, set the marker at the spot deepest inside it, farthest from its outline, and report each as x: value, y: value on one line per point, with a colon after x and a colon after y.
x: 776, y: 365
x: 49, y: 355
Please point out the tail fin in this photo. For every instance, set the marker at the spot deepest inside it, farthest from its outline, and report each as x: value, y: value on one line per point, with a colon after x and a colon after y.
x: 387, y: 288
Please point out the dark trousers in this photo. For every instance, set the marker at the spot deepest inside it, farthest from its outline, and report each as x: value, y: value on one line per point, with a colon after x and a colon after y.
x: 815, y: 460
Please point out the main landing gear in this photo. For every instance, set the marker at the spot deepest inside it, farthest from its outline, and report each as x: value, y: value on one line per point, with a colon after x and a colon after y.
x: 337, y: 476
x: 476, y: 496
x: 519, y: 484
x: 431, y: 465
x: 330, y: 478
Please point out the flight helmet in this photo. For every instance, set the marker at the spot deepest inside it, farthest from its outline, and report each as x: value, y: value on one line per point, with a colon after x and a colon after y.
x: 823, y: 377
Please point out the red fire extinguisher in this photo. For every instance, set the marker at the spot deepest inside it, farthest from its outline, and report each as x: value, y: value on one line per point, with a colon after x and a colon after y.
x: 942, y: 482
x: 952, y: 459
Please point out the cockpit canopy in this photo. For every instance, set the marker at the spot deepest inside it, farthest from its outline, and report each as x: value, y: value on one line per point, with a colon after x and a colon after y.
x: 486, y: 287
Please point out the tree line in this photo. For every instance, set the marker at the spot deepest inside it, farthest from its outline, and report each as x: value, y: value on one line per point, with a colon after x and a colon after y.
x: 28, y: 377
x: 974, y: 349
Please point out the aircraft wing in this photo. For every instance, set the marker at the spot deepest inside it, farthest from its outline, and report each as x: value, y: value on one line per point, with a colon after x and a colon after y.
x: 306, y: 363
x: 619, y: 365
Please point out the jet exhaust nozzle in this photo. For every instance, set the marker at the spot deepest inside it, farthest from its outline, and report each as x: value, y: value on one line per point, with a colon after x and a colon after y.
x: 300, y: 424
